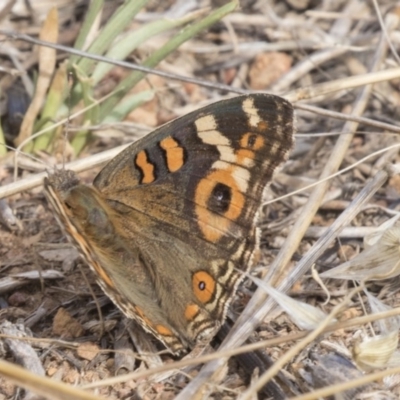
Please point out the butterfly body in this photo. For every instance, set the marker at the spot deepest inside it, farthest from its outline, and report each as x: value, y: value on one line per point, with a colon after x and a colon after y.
x: 170, y: 222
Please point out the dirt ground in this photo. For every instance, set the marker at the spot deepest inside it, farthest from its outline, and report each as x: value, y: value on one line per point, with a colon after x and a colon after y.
x: 338, y: 65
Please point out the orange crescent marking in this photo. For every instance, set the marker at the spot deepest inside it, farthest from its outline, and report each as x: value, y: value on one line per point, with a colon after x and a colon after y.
x: 145, y: 166
x: 203, y: 278
x: 97, y: 267
x: 163, y: 330
x: 191, y: 311
x: 174, y: 154
x: 242, y: 155
x: 262, y: 126
x: 144, y: 318
x: 214, y: 226
x: 139, y: 311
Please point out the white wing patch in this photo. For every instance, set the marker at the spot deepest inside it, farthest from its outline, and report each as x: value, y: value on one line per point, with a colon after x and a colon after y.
x: 229, y: 161
x: 251, y: 111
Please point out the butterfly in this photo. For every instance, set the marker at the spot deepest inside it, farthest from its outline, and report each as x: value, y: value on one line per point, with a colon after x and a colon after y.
x: 169, y: 223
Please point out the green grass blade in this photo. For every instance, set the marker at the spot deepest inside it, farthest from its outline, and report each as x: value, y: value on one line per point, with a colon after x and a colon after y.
x: 118, y: 22
x: 92, y: 13
x: 129, y: 43
x: 126, y: 85
x: 3, y: 148
x: 128, y: 104
x: 56, y: 95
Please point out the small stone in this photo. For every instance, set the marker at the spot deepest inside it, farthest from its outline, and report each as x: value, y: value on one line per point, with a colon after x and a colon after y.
x: 88, y: 351
x: 65, y: 326
x: 17, y: 299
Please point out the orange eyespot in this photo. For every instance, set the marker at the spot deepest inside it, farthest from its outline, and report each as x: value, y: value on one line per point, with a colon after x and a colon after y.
x: 203, y: 286
x: 214, y: 225
x: 252, y: 140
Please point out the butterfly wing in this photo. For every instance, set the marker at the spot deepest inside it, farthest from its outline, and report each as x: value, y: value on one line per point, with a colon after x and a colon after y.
x: 185, y: 198
x: 171, y: 220
x: 204, y: 173
x: 123, y: 274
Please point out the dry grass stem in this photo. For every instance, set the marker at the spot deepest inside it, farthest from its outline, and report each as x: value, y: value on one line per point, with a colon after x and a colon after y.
x: 330, y: 213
